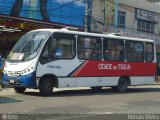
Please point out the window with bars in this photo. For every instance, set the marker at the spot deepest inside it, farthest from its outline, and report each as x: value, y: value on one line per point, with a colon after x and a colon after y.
x: 145, y: 26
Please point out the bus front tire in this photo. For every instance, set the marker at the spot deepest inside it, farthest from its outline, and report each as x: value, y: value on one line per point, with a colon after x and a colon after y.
x: 46, y: 86
x: 19, y: 89
x: 122, y: 85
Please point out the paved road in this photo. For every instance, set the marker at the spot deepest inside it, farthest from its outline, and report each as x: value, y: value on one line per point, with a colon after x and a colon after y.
x: 82, y: 103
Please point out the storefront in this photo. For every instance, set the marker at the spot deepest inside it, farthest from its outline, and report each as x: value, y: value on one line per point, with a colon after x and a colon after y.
x: 35, y: 14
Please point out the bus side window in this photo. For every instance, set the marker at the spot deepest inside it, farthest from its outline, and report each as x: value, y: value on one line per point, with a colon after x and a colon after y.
x: 66, y: 45
x: 117, y: 55
x: 89, y: 48
x: 60, y: 46
x: 149, y: 52
x: 113, y: 49
x: 134, y: 51
x: 98, y: 50
x: 110, y: 55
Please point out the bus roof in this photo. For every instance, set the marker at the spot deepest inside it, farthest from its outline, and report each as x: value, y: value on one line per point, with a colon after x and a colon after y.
x: 63, y: 30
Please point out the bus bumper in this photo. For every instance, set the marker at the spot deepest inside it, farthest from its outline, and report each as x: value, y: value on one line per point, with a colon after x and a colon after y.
x: 27, y: 81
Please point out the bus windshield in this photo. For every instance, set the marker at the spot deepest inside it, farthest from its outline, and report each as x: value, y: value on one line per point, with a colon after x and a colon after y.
x: 28, y: 46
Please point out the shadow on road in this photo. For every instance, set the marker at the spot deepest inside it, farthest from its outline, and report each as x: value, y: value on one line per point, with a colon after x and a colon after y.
x: 89, y: 92
x: 8, y: 100
x: 142, y: 90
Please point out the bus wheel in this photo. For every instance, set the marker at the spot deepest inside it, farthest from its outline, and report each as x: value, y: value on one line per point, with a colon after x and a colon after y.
x: 122, y: 85
x: 46, y: 86
x: 96, y: 89
x: 19, y: 89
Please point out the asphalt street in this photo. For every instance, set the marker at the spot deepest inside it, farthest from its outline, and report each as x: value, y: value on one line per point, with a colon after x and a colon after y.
x: 82, y: 103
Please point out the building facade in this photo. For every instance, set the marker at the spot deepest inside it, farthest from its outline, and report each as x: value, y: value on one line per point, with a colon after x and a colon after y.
x: 132, y: 18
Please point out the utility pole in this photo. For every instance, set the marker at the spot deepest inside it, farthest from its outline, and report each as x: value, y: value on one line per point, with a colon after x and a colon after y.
x: 86, y: 16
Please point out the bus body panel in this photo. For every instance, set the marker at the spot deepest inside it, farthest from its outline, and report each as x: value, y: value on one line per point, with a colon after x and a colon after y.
x: 101, y: 81
x: 88, y: 68
x: 96, y: 81
x: 142, y: 80
x: 97, y: 73
x: 60, y: 68
x: 20, y: 74
x: 27, y: 81
x: 114, y: 68
x: 18, y: 66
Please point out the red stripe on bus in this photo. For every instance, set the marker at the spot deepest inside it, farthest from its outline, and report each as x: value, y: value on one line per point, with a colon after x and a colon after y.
x: 79, y: 69
x: 116, y: 68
